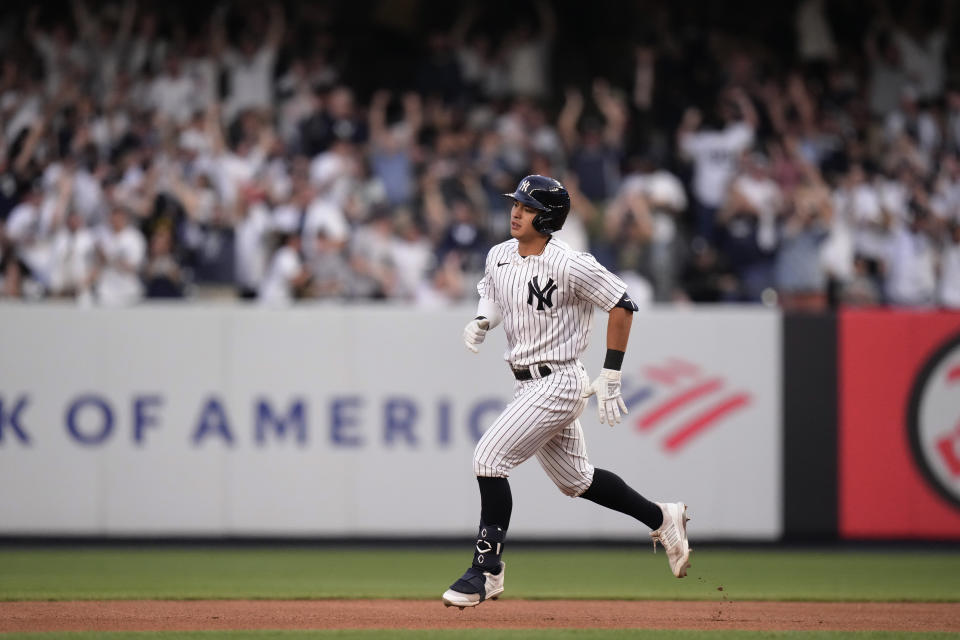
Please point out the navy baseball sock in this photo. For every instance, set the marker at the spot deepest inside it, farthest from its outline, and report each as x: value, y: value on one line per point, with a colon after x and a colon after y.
x: 496, y: 505
x: 489, y: 547
x: 609, y: 490
x: 496, y: 501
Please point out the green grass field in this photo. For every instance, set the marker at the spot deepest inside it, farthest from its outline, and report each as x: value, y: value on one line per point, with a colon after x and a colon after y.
x: 218, y: 573
x: 60, y: 574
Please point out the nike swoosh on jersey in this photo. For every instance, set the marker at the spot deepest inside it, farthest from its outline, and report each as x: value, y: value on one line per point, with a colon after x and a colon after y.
x: 500, y: 264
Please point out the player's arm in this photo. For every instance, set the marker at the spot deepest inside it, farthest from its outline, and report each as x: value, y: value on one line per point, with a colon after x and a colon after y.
x: 607, y: 385
x: 488, y: 317
x: 618, y: 330
x: 488, y: 313
x: 593, y: 283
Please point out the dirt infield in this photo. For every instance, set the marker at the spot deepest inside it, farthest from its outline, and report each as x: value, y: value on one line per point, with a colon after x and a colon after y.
x: 165, y: 615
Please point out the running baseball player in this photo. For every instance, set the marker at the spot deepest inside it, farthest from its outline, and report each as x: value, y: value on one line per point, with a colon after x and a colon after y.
x: 543, y: 293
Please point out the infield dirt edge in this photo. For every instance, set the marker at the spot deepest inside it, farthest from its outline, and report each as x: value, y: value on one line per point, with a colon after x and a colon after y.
x: 201, y: 615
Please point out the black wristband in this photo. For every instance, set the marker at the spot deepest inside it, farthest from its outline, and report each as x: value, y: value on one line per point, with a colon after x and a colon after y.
x: 614, y: 359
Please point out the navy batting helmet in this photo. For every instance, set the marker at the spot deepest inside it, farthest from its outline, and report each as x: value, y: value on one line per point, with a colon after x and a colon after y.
x: 547, y: 196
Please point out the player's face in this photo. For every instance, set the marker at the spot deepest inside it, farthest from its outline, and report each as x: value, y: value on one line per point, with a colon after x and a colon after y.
x: 521, y: 222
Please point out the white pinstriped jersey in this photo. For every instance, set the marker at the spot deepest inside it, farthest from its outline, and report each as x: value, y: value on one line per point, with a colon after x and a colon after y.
x: 547, y: 300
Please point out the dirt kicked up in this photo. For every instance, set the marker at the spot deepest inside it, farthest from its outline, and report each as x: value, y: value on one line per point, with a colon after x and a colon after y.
x: 165, y: 615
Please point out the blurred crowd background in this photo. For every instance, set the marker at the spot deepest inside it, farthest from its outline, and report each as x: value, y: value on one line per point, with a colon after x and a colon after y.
x: 800, y: 153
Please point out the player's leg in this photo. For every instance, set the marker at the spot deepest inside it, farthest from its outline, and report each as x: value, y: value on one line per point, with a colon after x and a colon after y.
x: 610, y: 491
x: 531, y: 419
x: 668, y: 521
x: 496, y: 506
x: 484, y: 579
x: 564, y: 458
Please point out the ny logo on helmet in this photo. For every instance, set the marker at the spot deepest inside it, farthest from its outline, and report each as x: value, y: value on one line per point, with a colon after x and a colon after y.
x: 524, y: 186
x: 544, y: 295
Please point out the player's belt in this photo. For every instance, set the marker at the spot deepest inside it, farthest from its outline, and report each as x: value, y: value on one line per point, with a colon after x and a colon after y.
x: 526, y: 374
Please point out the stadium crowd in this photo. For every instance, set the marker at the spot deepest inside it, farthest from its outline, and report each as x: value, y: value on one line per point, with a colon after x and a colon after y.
x: 280, y: 151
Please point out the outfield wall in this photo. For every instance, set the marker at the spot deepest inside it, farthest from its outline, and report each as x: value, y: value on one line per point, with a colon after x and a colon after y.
x: 341, y: 421
x: 333, y: 422
x: 899, y: 425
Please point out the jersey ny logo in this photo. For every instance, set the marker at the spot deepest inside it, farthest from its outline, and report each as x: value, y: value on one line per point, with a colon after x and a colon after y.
x: 544, y: 295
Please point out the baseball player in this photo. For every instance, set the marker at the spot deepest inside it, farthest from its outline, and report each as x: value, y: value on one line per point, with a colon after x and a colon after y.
x: 543, y: 293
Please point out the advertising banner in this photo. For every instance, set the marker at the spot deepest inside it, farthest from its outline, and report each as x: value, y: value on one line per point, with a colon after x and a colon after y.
x: 360, y: 421
x: 899, y: 441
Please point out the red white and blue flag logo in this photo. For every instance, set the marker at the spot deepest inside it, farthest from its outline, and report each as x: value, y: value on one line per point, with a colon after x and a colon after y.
x: 679, y: 401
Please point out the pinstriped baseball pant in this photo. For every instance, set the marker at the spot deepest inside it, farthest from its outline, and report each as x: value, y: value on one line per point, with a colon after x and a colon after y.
x: 541, y: 420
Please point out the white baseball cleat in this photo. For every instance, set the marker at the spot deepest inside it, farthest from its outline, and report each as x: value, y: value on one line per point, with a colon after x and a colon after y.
x: 474, y: 587
x: 672, y: 534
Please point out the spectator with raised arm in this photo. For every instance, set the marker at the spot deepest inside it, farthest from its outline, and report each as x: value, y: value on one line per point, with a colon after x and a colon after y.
x: 526, y: 52
x: 393, y: 145
x: 801, y: 280
x: 250, y: 65
x: 715, y: 154
x: 748, y: 226
x: 595, y: 148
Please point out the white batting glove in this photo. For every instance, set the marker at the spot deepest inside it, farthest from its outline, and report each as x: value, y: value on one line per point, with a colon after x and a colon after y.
x: 475, y: 332
x: 609, y: 401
